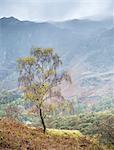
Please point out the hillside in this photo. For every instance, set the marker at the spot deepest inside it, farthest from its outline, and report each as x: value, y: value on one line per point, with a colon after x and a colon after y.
x: 78, y: 42
x: 56, y: 75
x: 17, y: 136
x: 85, y: 47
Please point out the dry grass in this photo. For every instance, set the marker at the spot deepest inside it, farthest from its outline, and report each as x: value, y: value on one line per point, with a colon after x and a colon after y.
x: 15, y: 136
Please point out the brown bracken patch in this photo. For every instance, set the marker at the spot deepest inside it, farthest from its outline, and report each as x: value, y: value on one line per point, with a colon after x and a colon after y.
x: 16, y: 136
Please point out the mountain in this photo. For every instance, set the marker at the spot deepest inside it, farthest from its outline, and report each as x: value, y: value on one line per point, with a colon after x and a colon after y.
x: 85, y: 46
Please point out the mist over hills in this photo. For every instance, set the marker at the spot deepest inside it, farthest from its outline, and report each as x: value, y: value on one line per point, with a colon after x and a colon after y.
x: 86, y: 48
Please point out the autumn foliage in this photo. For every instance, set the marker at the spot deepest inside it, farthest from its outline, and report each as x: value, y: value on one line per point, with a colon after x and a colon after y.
x: 15, y: 136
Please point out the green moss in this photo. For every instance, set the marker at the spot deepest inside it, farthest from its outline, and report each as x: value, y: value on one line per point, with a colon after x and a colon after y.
x: 57, y: 132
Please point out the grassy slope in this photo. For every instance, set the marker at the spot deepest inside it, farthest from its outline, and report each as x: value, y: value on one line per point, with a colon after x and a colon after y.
x: 15, y: 136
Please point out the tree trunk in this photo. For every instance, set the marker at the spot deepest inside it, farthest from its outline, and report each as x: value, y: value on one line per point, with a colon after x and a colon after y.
x: 42, y: 120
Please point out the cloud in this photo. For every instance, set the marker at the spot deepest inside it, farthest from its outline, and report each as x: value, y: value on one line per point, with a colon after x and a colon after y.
x: 43, y: 10
x: 94, y: 9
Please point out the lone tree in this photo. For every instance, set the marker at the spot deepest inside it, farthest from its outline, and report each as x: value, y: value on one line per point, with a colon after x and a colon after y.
x: 39, y: 77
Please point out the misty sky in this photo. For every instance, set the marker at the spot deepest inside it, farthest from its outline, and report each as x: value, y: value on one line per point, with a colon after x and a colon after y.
x: 56, y: 10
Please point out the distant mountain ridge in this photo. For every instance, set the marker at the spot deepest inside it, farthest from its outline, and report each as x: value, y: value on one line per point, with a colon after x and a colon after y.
x: 83, y: 45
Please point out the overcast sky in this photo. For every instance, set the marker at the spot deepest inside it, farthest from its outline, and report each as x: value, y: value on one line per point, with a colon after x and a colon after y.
x: 56, y: 10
